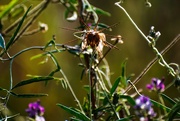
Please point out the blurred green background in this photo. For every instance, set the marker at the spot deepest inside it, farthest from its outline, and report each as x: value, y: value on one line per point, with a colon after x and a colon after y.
x: 164, y: 15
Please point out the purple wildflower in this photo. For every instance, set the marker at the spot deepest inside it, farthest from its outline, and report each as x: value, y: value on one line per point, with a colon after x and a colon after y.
x: 143, y: 103
x: 39, y: 118
x: 35, y: 109
x: 156, y: 84
x: 144, y: 108
x: 89, y: 24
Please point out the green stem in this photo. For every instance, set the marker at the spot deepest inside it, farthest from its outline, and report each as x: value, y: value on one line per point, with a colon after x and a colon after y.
x: 90, y: 87
x: 70, y: 88
x: 11, y: 81
x: 8, y: 8
x: 146, y: 69
x: 161, y: 59
x: 105, y: 92
x: 118, y: 4
x: 162, y: 102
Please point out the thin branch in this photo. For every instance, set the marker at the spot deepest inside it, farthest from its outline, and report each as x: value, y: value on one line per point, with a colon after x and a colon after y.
x: 12, y: 26
x: 146, y: 69
x: 31, y: 21
x: 70, y: 88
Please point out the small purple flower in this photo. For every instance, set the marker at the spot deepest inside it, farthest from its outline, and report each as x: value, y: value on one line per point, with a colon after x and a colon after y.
x: 89, y: 24
x: 143, y: 103
x: 35, y: 109
x: 39, y: 118
x: 156, y: 84
x: 144, y: 108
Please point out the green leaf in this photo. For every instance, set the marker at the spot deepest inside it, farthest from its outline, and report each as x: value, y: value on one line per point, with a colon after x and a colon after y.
x: 123, y: 74
x: 35, y: 95
x: 56, y: 64
x: 71, y: 10
x: 66, y: 13
x: 102, y: 26
x: 123, y: 67
x: 100, y: 11
x: 63, y: 83
x: 115, y: 85
x: 89, y: 8
x: 82, y: 73
x: 74, y: 119
x: 74, y: 51
x: 2, y: 42
x: 106, y: 99
x: 174, y: 111
x: 37, y: 56
x: 16, y: 11
x: 74, y: 112
x: 73, y: 17
x: 128, y: 98
x: 168, y: 99
x: 55, y: 61
x: 51, y: 42
x: 86, y: 87
x: 159, y: 105
x: 46, y: 54
x: 126, y: 119
x: 29, y: 81
x: 8, y: 8
x: 17, y: 30
x: 73, y: 1
x: 2, y: 89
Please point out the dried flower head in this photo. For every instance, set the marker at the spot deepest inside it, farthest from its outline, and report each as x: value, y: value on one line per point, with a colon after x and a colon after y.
x: 43, y: 27
x: 96, y: 40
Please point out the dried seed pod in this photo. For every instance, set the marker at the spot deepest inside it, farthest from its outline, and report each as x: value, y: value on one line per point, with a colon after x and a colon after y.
x: 94, y: 40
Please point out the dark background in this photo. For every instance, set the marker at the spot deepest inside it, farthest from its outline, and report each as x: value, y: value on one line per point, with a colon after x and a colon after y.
x: 164, y: 15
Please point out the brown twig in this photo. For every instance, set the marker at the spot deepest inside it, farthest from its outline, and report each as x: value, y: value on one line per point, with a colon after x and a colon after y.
x: 146, y: 69
x: 31, y: 21
x: 30, y: 14
x: 118, y: 38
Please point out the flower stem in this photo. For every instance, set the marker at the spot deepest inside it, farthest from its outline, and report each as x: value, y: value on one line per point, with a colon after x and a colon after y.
x: 70, y: 88
x: 150, y: 42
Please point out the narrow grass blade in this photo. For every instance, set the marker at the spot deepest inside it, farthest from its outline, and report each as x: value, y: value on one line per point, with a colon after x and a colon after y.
x: 33, y: 80
x: 17, y: 29
x: 33, y: 95
x: 74, y: 112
